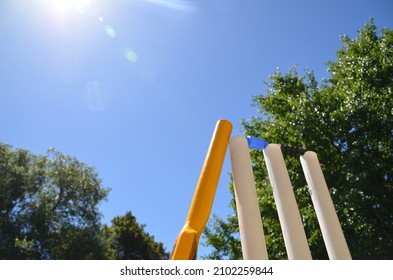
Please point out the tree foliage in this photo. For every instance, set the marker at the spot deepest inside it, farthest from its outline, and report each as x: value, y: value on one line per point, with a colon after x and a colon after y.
x: 348, y: 122
x: 49, y: 206
x: 49, y: 209
x: 129, y: 241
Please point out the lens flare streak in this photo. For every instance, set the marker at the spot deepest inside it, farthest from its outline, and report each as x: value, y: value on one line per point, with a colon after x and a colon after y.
x: 179, y: 5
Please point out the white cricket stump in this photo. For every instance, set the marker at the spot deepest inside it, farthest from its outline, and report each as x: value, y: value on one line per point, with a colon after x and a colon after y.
x: 291, y: 224
x: 332, y: 233
x: 250, y: 223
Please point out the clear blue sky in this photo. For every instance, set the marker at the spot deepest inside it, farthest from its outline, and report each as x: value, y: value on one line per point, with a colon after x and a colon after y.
x: 135, y: 87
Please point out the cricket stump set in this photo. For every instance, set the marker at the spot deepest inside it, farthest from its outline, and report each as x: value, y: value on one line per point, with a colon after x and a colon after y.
x: 247, y: 206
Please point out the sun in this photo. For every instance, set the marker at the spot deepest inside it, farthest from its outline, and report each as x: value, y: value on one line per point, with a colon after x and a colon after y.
x: 63, y: 7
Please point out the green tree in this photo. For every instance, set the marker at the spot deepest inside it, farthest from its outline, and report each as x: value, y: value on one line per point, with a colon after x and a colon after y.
x: 348, y: 122
x: 48, y: 206
x: 49, y: 210
x: 127, y: 240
